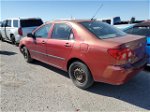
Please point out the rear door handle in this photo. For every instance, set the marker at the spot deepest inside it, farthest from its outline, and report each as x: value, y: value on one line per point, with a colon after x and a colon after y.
x: 67, y: 45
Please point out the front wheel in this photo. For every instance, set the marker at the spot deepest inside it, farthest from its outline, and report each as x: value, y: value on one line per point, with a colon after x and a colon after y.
x: 26, y: 54
x: 80, y: 75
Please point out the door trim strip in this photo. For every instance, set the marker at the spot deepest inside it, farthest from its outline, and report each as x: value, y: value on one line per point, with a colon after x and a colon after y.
x: 48, y: 55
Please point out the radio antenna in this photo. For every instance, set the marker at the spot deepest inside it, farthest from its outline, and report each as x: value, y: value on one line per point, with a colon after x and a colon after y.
x: 97, y: 11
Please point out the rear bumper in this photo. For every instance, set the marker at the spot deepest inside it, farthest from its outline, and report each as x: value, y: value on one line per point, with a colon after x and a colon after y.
x: 148, y: 52
x: 117, y: 75
x: 18, y: 38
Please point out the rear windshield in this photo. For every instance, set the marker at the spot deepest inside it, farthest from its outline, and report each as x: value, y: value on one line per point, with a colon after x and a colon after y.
x: 144, y: 31
x: 31, y: 22
x: 102, y: 30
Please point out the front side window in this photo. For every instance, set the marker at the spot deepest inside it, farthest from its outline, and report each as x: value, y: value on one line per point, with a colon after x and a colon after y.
x: 62, y: 31
x: 102, y: 30
x: 4, y: 23
x: 15, y: 23
x: 43, y: 31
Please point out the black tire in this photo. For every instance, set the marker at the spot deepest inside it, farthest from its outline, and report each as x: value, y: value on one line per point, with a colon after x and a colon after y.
x: 147, y: 67
x: 1, y: 38
x: 80, y: 75
x: 26, y: 55
x: 13, y: 40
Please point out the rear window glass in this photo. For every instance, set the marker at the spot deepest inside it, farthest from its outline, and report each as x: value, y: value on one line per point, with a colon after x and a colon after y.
x: 102, y: 30
x: 31, y: 22
x: 144, y: 31
x: 15, y: 23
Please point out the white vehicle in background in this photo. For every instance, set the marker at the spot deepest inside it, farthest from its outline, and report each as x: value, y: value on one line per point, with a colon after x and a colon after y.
x: 117, y: 22
x: 111, y: 21
x: 16, y: 28
x: 0, y: 29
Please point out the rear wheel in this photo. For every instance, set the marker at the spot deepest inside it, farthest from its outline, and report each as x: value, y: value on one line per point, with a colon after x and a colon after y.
x: 26, y: 54
x: 1, y: 38
x: 147, y: 67
x: 13, y: 40
x: 80, y: 75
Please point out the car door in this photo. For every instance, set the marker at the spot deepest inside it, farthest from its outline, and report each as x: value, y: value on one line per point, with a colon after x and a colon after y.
x: 37, y: 45
x: 8, y: 29
x: 60, y: 44
x: 3, y: 29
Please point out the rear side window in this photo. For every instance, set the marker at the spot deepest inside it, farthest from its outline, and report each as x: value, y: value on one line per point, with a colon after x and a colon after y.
x: 31, y: 22
x: 15, y: 23
x: 9, y: 23
x: 62, y: 31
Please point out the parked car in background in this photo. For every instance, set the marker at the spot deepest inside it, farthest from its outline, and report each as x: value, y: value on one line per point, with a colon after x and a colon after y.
x: 116, y: 21
x: 112, y: 20
x: 0, y: 29
x: 124, y: 26
x: 141, y: 29
x: 89, y: 50
x: 16, y: 28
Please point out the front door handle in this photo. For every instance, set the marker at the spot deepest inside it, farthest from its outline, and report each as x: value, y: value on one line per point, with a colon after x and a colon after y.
x: 67, y: 45
x: 43, y: 42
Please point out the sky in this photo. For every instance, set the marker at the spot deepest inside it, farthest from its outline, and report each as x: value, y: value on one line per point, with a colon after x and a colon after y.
x: 84, y: 9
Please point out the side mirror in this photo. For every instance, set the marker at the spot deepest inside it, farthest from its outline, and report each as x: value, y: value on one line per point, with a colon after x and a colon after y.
x: 30, y: 35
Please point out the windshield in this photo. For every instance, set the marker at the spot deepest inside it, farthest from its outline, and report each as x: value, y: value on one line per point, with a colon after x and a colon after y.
x: 102, y: 30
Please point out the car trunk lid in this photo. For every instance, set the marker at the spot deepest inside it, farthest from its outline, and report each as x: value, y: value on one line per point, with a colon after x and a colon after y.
x: 134, y: 43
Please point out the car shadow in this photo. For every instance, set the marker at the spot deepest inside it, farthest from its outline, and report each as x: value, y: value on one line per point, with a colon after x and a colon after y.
x: 135, y: 92
x: 9, y: 53
x: 65, y: 74
x: 9, y: 42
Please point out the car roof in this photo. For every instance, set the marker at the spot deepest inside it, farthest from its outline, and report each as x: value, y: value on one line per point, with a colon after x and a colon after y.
x: 74, y: 21
x: 143, y: 24
x: 21, y: 18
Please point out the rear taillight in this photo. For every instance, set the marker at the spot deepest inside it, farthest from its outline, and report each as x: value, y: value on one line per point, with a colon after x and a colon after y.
x: 20, y: 31
x: 121, y: 54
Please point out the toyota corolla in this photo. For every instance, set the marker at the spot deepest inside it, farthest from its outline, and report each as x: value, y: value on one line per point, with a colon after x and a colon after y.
x: 88, y: 50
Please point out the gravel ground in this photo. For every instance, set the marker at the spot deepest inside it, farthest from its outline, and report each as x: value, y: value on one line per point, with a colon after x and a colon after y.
x: 40, y: 87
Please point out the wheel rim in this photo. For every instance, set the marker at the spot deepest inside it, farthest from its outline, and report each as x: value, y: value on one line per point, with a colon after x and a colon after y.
x: 79, y: 74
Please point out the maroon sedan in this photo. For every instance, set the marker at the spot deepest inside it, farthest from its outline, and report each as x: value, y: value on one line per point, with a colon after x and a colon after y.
x: 88, y: 50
